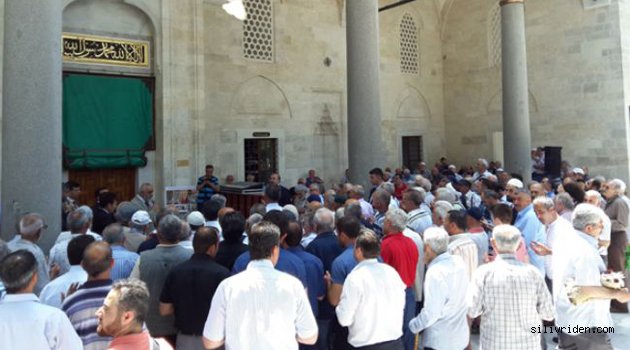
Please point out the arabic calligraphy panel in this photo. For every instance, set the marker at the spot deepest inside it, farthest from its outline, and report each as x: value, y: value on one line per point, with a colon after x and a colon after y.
x: 104, y: 50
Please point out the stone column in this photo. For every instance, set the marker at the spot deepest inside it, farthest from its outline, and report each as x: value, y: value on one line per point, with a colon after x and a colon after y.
x: 516, y: 129
x: 366, y: 149
x: 31, y: 114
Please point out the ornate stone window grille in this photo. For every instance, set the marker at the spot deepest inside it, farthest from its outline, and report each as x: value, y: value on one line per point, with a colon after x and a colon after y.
x: 494, y: 36
x: 258, y: 30
x: 409, y: 57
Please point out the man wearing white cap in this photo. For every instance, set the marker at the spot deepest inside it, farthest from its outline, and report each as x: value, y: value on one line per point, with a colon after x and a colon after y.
x: 139, y: 227
x: 511, y: 188
x: 196, y: 220
x: 578, y: 173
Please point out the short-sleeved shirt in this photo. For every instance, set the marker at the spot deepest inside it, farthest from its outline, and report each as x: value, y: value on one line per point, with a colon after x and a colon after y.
x: 260, y: 308
x: 315, y: 286
x: 401, y: 253
x: 577, y: 262
x: 287, y: 262
x: 206, y: 191
x: 326, y: 247
x: 511, y: 297
x: 190, y: 287
x: 343, y: 265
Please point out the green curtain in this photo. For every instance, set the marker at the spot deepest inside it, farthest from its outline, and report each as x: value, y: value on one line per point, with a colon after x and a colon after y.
x: 107, y: 121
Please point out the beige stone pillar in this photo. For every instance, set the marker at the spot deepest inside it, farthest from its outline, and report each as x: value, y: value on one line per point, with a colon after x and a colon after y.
x: 516, y: 126
x: 366, y: 149
x: 31, y: 114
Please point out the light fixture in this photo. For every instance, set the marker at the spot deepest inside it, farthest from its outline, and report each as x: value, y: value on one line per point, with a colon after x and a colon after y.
x: 236, y: 9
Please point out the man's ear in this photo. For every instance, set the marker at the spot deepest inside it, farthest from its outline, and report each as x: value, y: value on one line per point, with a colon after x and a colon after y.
x: 127, y: 318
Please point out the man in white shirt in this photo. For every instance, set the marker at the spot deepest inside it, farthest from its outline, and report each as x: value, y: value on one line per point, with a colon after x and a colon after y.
x: 272, y: 197
x: 558, y: 231
x: 482, y: 170
x: 260, y: 308
x: 55, y: 291
x: 372, y: 299
x: 32, y: 227
x: 577, y: 269
x: 563, y: 202
x: 25, y: 323
x: 443, y: 318
x: 461, y: 242
x: 468, y: 198
x: 418, y: 213
x: 358, y: 193
x: 67, y: 235
x: 439, y: 212
x: 78, y: 224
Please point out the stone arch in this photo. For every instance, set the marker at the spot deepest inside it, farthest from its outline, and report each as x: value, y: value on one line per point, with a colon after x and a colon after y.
x: 495, y: 104
x: 139, y: 5
x: 413, y: 105
x: 260, y: 97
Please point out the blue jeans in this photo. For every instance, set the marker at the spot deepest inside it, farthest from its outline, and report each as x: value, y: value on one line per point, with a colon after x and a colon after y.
x: 408, y: 314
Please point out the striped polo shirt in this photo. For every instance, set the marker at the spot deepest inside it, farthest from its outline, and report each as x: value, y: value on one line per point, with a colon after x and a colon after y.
x: 81, y: 309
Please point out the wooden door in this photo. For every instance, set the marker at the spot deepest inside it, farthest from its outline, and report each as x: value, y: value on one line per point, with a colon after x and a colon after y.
x: 411, y: 151
x: 261, y: 158
x: 120, y: 181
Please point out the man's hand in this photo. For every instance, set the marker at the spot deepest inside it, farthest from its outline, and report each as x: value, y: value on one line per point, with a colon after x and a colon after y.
x: 623, y: 296
x: 73, y: 288
x: 540, y: 249
x: 54, y: 271
x: 328, y: 279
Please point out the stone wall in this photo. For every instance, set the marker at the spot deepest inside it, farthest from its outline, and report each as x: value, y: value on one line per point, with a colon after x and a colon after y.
x: 300, y: 96
x: 575, y: 77
x: 412, y: 103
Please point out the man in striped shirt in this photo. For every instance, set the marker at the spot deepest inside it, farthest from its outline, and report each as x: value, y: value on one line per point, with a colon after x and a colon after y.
x: 81, y: 306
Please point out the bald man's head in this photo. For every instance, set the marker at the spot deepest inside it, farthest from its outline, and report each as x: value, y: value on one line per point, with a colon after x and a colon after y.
x: 97, y: 259
x: 31, y: 226
x: 224, y: 211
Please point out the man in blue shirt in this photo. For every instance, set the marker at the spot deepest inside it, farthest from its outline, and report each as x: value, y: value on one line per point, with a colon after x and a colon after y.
x: 287, y: 262
x: 124, y: 260
x: 348, y: 229
x: 327, y: 248
x: 207, y: 185
x: 531, y: 228
x: 314, y: 268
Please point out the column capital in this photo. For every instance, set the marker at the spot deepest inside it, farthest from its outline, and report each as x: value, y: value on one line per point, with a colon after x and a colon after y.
x: 508, y: 2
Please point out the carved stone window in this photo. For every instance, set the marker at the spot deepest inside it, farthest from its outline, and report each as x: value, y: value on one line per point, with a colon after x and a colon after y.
x: 408, y: 45
x: 494, y: 36
x: 258, y: 30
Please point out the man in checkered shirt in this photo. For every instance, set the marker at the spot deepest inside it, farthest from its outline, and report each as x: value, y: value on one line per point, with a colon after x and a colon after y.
x: 511, y: 297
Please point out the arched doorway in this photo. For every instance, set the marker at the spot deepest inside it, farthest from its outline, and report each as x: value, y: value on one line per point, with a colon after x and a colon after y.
x: 109, y: 92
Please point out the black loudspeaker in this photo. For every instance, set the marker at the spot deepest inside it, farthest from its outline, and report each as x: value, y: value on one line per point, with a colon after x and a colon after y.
x: 553, y: 161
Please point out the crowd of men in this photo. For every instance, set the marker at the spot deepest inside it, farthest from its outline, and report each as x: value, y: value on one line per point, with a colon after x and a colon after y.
x: 418, y: 261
